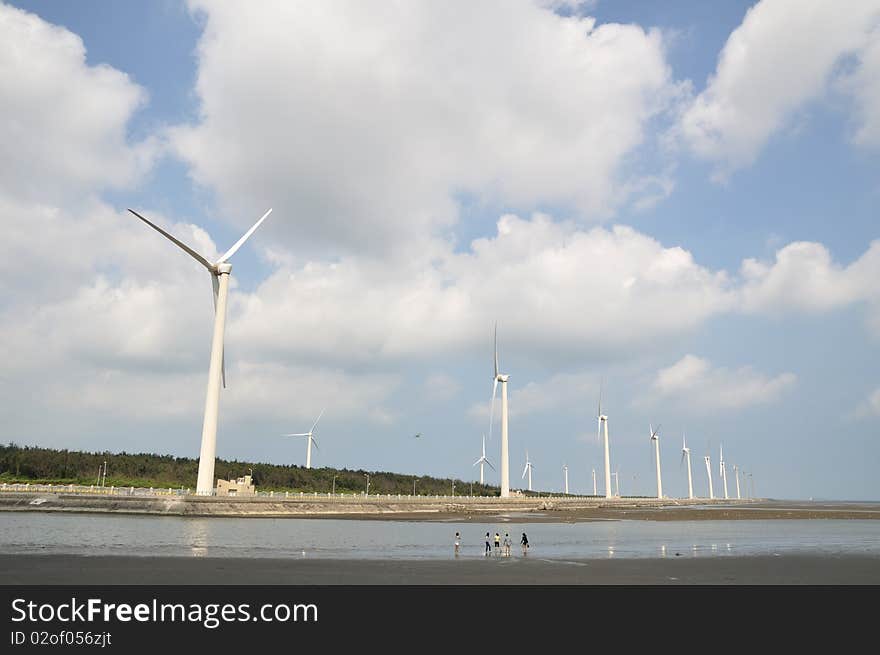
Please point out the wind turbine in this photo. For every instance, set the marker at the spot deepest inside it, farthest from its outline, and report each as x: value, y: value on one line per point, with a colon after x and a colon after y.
x: 528, y: 469
x: 483, y: 460
x: 736, y: 475
x: 709, y: 473
x: 686, y: 454
x: 505, y: 460
x: 603, y: 420
x: 565, y: 472
x: 309, y: 441
x: 617, y: 482
x: 219, y: 271
x: 655, y: 437
x: 594, y: 483
x: 723, y: 471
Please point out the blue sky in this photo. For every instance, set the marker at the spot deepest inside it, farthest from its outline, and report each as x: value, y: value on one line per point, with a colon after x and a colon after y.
x: 593, y: 179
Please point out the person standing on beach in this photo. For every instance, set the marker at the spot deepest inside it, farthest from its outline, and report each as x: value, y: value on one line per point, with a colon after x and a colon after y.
x: 488, y: 546
x: 457, y: 543
x: 497, y: 543
x: 525, y: 543
x: 506, y: 545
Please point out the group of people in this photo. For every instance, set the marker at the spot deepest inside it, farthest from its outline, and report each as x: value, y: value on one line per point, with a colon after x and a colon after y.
x: 524, y: 542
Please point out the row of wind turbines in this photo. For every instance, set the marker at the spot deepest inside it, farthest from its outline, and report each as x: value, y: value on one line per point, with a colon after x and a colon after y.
x: 602, y: 430
x: 220, y: 271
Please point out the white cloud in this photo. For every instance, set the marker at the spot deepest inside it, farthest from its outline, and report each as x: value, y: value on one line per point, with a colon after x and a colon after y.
x: 62, y: 122
x: 553, y: 288
x: 869, y: 407
x: 781, y: 57
x: 864, y: 85
x: 804, y: 278
x: 693, y: 382
x: 376, y: 120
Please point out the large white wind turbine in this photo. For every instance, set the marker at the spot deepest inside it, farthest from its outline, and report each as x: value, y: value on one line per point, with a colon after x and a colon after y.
x: 686, y: 454
x: 709, y: 473
x: 723, y: 471
x: 505, y: 460
x: 219, y: 271
x: 655, y: 437
x: 736, y: 475
x: 603, y: 420
x: 310, y: 439
x: 565, y: 472
x: 483, y: 460
x: 528, y: 469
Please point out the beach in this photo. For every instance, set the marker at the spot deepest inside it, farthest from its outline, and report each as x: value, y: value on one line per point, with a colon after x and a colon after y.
x: 784, y: 569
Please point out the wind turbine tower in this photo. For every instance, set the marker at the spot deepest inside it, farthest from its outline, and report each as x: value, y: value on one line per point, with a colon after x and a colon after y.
x: 723, y: 472
x: 603, y: 421
x: 686, y: 454
x: 736, y: 475
x: 709, y: 473
x: 220, y: 271
x: 505, y: 459
x: 655, y: 437
x: 565, y: 473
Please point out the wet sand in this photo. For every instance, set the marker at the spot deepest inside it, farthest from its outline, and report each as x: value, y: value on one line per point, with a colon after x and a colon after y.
x: 529, y: 570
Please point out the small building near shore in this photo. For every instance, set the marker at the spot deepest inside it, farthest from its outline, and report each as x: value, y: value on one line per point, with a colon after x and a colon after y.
x: 243, y: 486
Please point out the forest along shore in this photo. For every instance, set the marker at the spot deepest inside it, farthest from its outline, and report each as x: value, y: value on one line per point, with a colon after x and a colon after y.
x: 562, y: 509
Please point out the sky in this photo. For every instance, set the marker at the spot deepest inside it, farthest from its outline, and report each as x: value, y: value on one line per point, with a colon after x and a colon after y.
x: 678, y: 203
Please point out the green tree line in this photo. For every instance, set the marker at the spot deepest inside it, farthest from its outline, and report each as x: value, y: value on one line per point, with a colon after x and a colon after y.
x: 51, y: 466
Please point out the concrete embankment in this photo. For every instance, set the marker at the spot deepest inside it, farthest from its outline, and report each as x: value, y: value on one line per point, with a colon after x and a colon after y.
x: 310, y: 505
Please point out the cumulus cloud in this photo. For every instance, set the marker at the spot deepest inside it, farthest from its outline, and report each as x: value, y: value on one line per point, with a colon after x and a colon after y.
x: 782, y: 56
x: 377, y: 120
x: 870, y: 406
x: 78, y: 114
x: 555, y: 287
x: 693, y: 382
x: 804, y: 277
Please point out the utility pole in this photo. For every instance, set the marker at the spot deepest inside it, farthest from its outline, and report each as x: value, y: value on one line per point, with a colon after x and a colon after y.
x: 104, y: 479
x: 367, y: 476
x: 334, y: 485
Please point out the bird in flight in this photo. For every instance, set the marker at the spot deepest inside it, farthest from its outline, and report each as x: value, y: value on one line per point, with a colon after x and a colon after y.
x: 418, y: 435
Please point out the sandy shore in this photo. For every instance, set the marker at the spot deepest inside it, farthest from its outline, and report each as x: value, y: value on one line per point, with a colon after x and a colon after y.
x: 758, y: 570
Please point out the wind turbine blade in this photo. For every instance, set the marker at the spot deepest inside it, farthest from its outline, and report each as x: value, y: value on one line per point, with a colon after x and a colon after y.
x: 192, y: 253
x: 490, y: 465
x: 492, y: 407
x: 478, y: 461
x: 315, y: 441
x: 524, y: 470
x: 298, y: 434
x: 215, y: 282
x: 317, y: 419
x: 496, y: 350
x: 229, y: 253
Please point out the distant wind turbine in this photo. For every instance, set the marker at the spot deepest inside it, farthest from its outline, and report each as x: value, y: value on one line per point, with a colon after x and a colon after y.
x: 528, y: 469
x: 565, y: 472
x: 309, y: 441
x: 483, y: 460
x: 686, y: 454
x: 219, y: 271
x: 736, y: 475
x: 723, y: 471
x: 617, y: 482
x: 655, y: 437
x: 709, y: 473
x: 505, y: 459
x: 594, y: 483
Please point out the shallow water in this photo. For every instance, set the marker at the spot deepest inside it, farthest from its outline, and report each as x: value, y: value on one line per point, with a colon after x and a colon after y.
x: 85, y: 534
